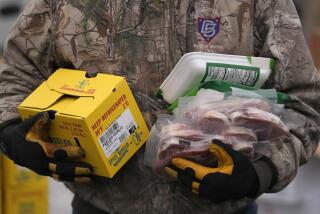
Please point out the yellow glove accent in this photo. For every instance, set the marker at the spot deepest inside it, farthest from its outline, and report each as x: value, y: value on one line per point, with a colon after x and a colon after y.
x: 39, y: 134
x: 77, y: 170
x: 225, y: 163
x: 171, y: 172
x: 195, y: 187
x: 58, y: 178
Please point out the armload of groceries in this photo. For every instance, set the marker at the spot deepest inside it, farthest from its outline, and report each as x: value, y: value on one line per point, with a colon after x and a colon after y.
x: 210, y: 96
x: 215, y: 96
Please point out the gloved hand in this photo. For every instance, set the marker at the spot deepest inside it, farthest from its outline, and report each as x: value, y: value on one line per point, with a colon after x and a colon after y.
x: 233, y: 178
x: 27, y: 144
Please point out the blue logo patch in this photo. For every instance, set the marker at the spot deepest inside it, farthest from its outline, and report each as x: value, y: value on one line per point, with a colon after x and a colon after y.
x: 208, y: 28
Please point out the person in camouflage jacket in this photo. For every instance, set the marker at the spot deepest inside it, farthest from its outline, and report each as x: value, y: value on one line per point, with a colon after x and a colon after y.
x: 142, y: 40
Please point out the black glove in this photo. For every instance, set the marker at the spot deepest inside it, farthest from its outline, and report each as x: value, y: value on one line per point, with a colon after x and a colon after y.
x: 27, y: 144
x: 233, y: 178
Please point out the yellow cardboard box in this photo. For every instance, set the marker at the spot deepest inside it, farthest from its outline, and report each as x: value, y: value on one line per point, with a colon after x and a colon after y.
x: 26, y: 200
x: 100, y: 114
x: 22, y: 191
x: 17, y: 176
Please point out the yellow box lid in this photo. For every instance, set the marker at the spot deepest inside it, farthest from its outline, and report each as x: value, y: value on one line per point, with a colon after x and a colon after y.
x: 71, y: 92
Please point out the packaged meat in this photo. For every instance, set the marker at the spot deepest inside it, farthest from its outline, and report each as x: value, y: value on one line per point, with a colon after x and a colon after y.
x: 182, y: 131
x: 201, y: 94
x: 234, y: 133
x: 175, y: 147
x: 241, y: 139
x: 266, y: 125
x: 212, y: 122
x: 226, y: 106
x: 197, y: 150
x: 241, y: 120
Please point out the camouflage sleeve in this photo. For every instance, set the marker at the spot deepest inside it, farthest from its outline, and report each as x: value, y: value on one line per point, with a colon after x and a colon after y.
x: 278, y: 34
x: 25, y: 63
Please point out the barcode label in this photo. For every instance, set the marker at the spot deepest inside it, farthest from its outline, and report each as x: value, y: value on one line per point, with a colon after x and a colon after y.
x: 117, y: 132
x: 123, y: 137
x: 109, y: 134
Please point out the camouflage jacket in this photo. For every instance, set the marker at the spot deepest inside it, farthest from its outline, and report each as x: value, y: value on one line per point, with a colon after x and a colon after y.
x: 142, y: 40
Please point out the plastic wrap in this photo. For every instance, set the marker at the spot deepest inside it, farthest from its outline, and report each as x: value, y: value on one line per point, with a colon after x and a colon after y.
x: 241, y: 119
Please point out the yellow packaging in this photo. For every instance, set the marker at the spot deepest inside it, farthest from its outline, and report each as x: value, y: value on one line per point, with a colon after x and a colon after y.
x: 17, y: 176
x: 26, y: 200
x: 100, y: 114
x: 23, y: 191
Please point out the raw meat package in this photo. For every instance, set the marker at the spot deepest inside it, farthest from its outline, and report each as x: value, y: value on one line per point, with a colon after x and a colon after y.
x: 238, y: 119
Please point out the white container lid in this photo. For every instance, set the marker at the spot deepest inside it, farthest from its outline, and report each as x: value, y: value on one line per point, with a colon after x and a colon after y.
x: 196, y: 67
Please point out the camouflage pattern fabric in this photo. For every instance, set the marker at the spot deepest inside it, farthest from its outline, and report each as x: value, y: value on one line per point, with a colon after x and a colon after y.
x: 142, y: 40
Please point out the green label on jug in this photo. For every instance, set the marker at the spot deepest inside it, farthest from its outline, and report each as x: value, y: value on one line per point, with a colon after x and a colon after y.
x: 238, y: 74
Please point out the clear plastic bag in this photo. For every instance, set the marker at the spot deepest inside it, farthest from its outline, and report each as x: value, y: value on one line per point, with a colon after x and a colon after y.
x: 241, y: 119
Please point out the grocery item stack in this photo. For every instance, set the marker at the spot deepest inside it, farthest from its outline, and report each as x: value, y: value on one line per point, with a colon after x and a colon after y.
x: 215, y: 96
